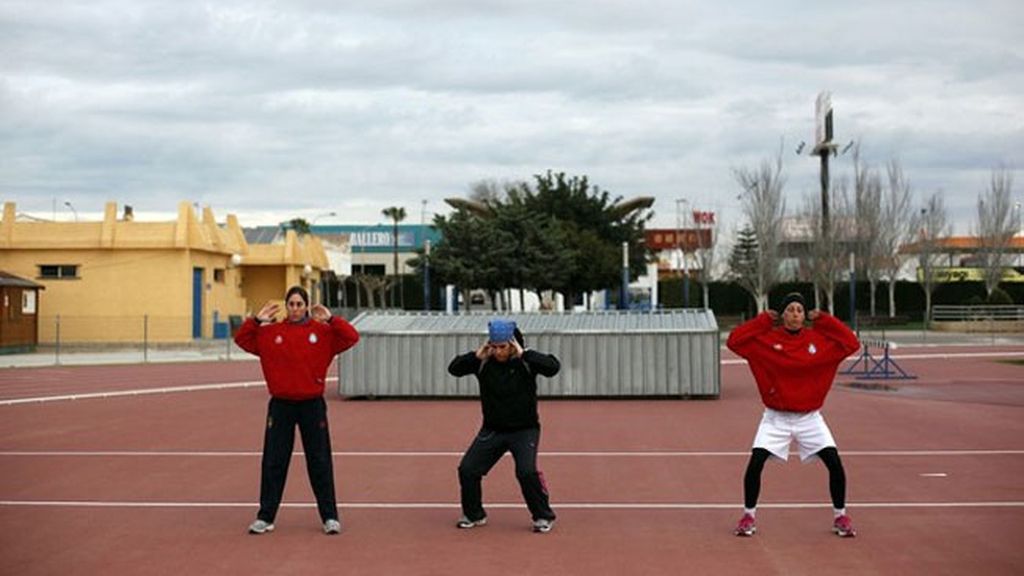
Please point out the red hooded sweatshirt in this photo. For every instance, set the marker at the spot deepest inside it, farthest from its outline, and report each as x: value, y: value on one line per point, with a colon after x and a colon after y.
x: 794, y: 371
x: 295, y: 356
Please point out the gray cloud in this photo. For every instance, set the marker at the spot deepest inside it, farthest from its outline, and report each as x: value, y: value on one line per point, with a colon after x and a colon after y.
x: 271, y: 110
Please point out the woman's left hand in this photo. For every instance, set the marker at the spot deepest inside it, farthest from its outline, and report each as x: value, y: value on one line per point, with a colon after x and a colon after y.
x: 517, y: 350
x: 320, y: 313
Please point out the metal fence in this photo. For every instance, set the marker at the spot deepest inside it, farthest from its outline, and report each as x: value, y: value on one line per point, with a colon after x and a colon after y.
x: 981, y: 318
x: 144, y: 334
x: 603, y: 354
x: 974, y: 313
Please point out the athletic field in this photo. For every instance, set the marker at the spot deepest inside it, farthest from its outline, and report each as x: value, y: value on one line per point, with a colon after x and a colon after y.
x: 154, y: 469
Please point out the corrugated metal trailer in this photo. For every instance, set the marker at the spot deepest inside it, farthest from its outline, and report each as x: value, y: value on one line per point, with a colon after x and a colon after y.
x: 661, y: 353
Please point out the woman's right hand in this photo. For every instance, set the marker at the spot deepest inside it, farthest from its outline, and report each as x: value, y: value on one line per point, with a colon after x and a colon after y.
x: 484, y: 351
x: 268, y: 313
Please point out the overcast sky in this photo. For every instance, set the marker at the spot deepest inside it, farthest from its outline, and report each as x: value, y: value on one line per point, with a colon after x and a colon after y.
x: 274, y: 110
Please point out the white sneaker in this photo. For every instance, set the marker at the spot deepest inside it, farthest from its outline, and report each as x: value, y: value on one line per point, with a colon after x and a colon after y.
x: 332, y: 527
x: 260, y: 526
x: 465, y: 523
x: 543, y: 525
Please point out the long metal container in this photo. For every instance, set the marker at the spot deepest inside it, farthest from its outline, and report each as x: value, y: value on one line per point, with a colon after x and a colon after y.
x: 603, y: 354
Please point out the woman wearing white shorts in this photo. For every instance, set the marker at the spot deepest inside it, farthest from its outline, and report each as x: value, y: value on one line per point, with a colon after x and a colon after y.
x: 794, y: 367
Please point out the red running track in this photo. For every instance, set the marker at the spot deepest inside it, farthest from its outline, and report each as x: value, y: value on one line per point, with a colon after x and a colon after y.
x: 166, y: 483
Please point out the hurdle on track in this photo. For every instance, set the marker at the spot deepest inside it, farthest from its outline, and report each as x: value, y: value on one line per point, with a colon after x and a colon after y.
x: 868, y: 367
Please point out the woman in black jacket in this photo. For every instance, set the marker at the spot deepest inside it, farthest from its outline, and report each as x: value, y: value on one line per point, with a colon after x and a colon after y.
x: 507, y: 374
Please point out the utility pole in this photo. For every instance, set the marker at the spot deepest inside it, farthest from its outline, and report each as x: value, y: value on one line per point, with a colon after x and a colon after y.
x: 681, y: 223
x: 823, y: 148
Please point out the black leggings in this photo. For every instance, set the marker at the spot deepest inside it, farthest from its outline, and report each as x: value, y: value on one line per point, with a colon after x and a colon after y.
x: 830, y: 456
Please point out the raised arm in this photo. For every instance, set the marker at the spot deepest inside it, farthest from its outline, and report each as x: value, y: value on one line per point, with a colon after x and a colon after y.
x: 830, y: 327
x: 345, y: 334
x: 464, y: 364
x: 743, y: 335
x: 543, y: 364
x: 246, y: 336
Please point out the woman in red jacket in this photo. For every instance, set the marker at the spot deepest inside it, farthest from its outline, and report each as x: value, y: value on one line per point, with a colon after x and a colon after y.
x: 794, y: 367
x: 295, y: 355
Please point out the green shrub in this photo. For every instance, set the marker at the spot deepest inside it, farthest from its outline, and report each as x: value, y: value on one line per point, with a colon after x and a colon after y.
x: 999, y: 297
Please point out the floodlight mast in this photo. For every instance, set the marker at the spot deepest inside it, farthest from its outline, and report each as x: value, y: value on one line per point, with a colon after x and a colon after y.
x: 823, y: 148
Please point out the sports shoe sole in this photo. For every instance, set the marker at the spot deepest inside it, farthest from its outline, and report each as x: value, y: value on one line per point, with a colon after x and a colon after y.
x: 745, y: 533
x: 544, y: 529
x: 472, y: 524
x: 845, y: 533
x: 269, y: 528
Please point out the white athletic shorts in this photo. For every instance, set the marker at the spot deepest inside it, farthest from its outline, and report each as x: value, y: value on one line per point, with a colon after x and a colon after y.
x: 779, y: 429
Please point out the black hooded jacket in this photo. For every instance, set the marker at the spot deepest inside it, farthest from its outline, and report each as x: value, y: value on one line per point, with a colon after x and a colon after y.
x: 508, y: 390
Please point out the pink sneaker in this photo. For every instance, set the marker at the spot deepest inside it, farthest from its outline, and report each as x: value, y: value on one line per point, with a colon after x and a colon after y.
x: 746, y: 527
x: 843, y: 527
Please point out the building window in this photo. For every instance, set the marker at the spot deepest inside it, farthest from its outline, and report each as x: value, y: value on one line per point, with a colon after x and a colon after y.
x: 58, y: 271
x: 218, y: 275
x: 369, y: 269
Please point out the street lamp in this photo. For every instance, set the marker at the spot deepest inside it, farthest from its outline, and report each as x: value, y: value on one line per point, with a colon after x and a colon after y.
x: 624, y: 290
x: 1020, y: 230
x: 426, y: 274
x: 682, y: 253
x: 319, y: 216
x: 73, y: 211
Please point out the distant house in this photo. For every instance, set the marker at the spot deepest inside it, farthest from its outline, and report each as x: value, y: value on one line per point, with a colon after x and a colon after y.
x: 120, y: 280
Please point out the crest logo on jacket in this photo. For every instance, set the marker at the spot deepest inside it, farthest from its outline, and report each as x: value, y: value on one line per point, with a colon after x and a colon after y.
x: 312, y: 338
x: 777, y: 347
x: 812, y: 349
x: 278, y: 339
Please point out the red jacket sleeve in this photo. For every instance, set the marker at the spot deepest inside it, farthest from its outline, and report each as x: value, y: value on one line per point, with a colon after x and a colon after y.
x: 345, y: 334
x: 831, y: 328
x: 246, y: 336
x: 742, y: 337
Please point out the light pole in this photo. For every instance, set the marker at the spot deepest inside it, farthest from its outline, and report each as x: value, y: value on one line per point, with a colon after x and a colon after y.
x: 319, y: 216
x: 426, y: 274
x: 1020, y: 231
x: 73, y: 211
x: 624, y: 290
x: 853, y: 293
x: 686, y: 264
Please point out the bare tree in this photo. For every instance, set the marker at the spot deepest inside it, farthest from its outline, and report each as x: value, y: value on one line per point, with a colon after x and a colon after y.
x: 996, y: 226
x: 706, y: 259
x: 932, y: 226
x: 895, y: 229
x: 374, y: 285
x: 764, y: 207
x: 867, y: 200
x: 822, y: 260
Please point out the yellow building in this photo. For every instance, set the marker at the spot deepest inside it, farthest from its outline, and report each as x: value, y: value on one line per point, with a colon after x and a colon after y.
x: 124, y: 281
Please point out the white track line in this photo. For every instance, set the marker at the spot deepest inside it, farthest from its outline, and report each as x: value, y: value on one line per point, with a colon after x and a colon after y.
x: 456, y: 505
x: 231, y: 385
x: 445, y: 454
x: 142, y: 392
x: 137, y: 392
x: 934, y: 356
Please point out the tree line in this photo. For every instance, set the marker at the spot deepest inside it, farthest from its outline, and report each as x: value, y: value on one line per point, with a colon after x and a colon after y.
x: 557, y: 233
x: 876, y: 221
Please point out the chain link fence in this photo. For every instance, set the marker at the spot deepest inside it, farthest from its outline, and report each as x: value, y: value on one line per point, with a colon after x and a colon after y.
x: 147, y: 335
